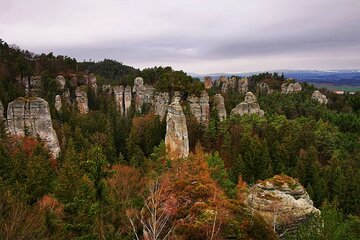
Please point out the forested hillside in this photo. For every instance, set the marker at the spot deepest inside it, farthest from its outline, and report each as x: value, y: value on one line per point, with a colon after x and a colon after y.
x: 115, y: 178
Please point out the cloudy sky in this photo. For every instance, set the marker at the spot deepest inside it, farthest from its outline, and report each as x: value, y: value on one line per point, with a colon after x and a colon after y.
x: 200, y: 36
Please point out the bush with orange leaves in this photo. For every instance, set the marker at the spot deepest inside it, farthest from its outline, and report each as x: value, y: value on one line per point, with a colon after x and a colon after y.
x: 197, y: 208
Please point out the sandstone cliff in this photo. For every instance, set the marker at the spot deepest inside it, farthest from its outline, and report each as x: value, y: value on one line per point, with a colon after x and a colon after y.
x: 319, y: 97
x: 81, y: 101
x: 290, y: 88
x: 176, y: 139
x: 243, y: 85
x: 281, y: 201
x: 32, y: 116
x: 248, y: 106
x: 161, y: 104
x: 61, y: 81
x: 119, y: 98
x: 220, y: 106
x: 144, y: 94
x: 127, y: 99
x: 200, y: 108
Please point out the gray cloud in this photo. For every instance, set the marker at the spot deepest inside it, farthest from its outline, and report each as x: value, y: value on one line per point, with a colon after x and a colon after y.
x: 197, y: 36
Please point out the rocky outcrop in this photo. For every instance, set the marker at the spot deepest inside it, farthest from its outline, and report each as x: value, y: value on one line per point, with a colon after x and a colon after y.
x: 127, y: 99
x: 81, y: 101
x: 58, y: 103
x: 243, y: 85
x: 248, y: 106
x: 208, y: 82
x: 31, y: 116
x: 282, y: 201
x: 67, y: 97
x: 264, y: 88
x: 200, y: 108
x: 119, y: 98
x: 92, y: 82
x: 220, y: 106
x: 290, y: 88
x: 162, y: 101
x: 205, y: 108
x: 144, y: 94
x: 61, y: 81
x: 176, y: 139
x: 319, y: 97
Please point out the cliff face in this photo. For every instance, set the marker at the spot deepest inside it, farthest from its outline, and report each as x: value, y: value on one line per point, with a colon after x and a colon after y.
x: 248, y: 106
x: 200, y: 108
x: 144, y: 94
x: 82, y: 101
x: 290, y: 88
x: 161, y: 104
x: 319, y: 97
x: 176, y: 139
x: 127, y: 99
x: 281, y: 201
x: 32, y: 116
x: 220, y: 106
x: 119, y: 98
x: 243, y: 85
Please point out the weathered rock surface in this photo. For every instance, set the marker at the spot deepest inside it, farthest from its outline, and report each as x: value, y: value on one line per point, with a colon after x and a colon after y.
x: 248, y: 106
x: 61, y: 81
x: 264, y: 88
x: 220, y: 106
x: 290, y: 88
x: 162, y: 101
x: 205, y: 108
x: 176, y: 139
x: 318, y: 96
x: 282, y: 199
x: 144, y: 94
x: 81, y: 101
x: 208, y: 82
x: 119, y: 98
x: 195, y: 108
x: 67, y: 97
x: 127, y: 99
x: 58, y: 103
x: 243, y: 85
x: 32, y: 116
x: 92, y: 82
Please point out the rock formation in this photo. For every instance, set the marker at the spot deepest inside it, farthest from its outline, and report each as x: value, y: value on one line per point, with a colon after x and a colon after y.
x: 318, y: 96
x: 281, y: 199
x: 161, y: 104
x: 144, y: 94
x: 67, y: 97
x: 81, y: 101
x: 176, y: 139
x: 220, y: 106
x: 243, y: 85
x: 205, y: 108
x: 200, y: 108
x: 106, y: 88
x: 58, y: 103
x: 248, y: 106
x: 208, y: 82
x: 73, y: 80
x: 264, y: 88
x: 32, y: 117
x: 127, y: 99
x: 92, y: 82
x: 290, y: 88
x: 61, y: 81
x: 119, y: 98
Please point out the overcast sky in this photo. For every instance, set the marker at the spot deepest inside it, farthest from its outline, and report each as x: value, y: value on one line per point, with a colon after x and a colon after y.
x: 200, y: 36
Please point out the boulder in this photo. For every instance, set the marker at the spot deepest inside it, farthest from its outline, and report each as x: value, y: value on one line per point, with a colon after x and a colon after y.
x: 243, y: 85
x: 290, y: 88
x: 220, y: 106
x: 81, y: 101
x: 248, y: 106
x: 119, y: 98
x: 61, y: 81
x: 319, y: 97
x: 176, y: 139
x: 161, y: 104
x: 58, y: 103
x: 127, y: 99
x: 31, y: 116
x: 208, y: 82
x: 281, y: 201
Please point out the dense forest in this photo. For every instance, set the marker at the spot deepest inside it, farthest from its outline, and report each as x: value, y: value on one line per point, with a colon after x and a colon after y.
x: 113, y: 173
